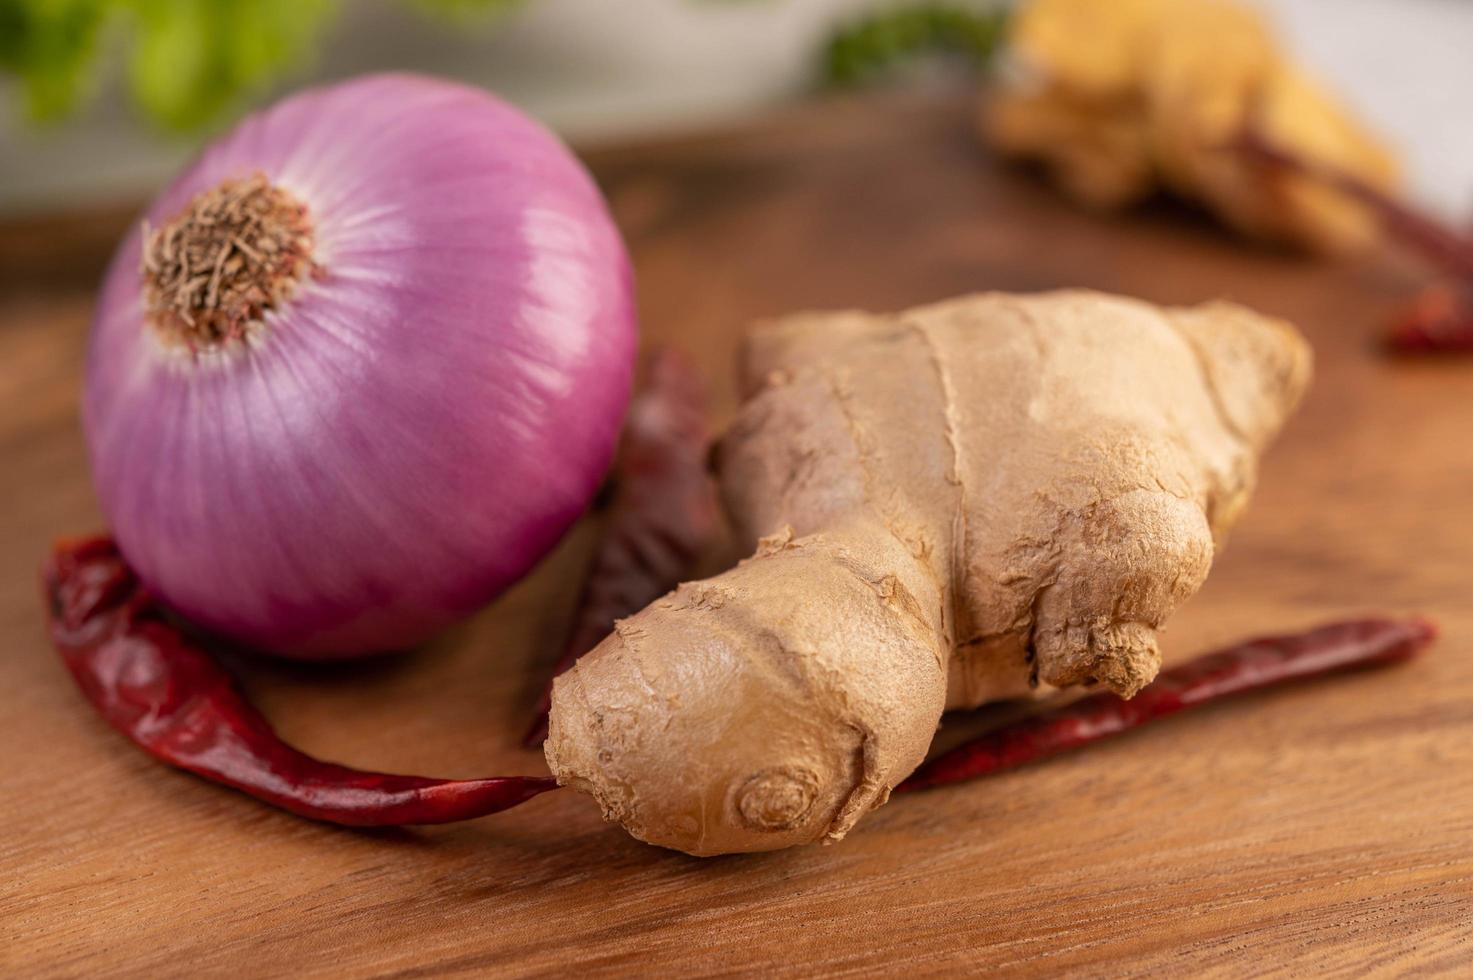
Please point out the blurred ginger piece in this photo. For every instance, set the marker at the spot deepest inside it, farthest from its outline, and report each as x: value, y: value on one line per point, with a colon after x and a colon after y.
x: 1122, y: 97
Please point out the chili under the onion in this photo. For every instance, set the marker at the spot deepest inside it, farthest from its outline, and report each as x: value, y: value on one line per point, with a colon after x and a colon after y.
x: 159, y: 687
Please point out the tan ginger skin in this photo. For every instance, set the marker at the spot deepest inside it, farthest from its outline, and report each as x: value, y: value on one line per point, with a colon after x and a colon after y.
x: 951, y: 505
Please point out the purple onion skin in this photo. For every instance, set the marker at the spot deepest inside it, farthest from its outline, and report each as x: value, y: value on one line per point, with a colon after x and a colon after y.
x: 419, y: 424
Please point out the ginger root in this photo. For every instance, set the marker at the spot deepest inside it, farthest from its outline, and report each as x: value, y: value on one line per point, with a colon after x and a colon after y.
x: 1121, y: 98
x: 958, y: 503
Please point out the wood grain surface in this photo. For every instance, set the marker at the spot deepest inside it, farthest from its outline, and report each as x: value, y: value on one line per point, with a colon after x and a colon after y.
x: 1323, y: 829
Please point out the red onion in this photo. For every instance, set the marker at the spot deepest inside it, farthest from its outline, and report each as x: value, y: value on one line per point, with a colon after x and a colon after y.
x: 361, y: 366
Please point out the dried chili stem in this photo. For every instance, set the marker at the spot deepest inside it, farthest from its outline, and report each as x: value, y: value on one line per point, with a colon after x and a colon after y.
x: 158, y: 687
x: 1245, y: 667
x: 663, y: 513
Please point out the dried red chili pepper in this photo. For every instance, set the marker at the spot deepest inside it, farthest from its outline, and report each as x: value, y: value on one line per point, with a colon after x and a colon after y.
x: 1441, y: 245
x: 662, y: 515
x: 1243, y: 667
x: 163, y: 691
x: 1440, y: 320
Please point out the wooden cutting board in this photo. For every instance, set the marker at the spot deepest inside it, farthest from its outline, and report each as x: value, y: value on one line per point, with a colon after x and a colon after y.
x: 1324, y: 827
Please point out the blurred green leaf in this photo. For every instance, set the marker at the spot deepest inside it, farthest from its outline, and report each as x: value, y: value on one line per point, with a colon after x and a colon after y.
x: 49, y: 45
x: 190, y: 61
x: 193, y: 59
x: 879, y: 43
x: 466, y: 8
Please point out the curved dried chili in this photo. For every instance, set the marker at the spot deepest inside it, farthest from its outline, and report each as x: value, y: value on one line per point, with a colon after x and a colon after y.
x: 155, y: 684
x: 1243, y: 667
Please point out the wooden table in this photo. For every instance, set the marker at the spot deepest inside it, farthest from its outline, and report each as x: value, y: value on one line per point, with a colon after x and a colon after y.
x: 1327, y: 827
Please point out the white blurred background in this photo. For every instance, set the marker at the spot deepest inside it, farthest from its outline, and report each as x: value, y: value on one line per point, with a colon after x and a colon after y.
x: 609, y: 69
